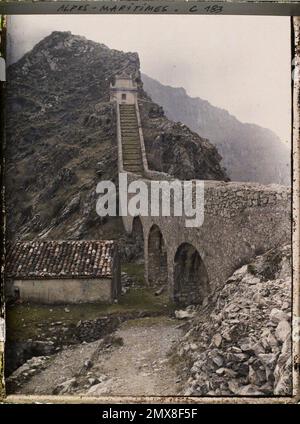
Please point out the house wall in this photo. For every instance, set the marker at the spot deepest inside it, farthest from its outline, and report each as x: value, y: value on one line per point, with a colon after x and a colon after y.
x: 130, y: 97
x: 124, y: 86
x: 62, y: 290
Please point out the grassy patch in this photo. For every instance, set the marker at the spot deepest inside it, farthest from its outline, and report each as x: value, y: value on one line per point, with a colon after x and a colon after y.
x: 23, y: 320
x: 149, y: 321
x: 136, y: 271
x: 251, y: 269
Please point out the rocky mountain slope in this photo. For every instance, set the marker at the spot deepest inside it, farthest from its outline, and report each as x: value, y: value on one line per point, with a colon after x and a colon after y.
x: 250, y: 152
x: 61, y: 138
x: 240, y: 342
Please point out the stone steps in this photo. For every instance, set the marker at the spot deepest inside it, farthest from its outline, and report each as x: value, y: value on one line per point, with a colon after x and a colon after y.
x: 130, y: 131
x: 136, y: 153
x: 131, y: 144
x: 130, y: 127
x: 132, y: 152
x: 132, y: 158
x: 134, y: 169
x: 131, y: 147
x: 131, y: 162
x: 130, y: 139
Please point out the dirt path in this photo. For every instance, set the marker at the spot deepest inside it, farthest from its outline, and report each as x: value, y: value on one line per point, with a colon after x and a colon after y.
x: 138, y: 367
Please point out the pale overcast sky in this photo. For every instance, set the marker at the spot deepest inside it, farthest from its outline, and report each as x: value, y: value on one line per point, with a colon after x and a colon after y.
x: 239, y: 63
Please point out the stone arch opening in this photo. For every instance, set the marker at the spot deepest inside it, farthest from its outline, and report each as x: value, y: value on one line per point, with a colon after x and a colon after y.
x: 137, y: 238
x: 190, y: 276
x: 157, y: 257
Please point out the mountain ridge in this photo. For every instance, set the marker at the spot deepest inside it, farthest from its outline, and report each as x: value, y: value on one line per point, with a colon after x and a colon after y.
x: 61, y: 138
x: 246, y: 148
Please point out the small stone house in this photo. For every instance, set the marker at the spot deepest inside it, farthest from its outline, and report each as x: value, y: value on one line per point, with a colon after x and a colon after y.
x: 52, y: 272
x: 124, y: 90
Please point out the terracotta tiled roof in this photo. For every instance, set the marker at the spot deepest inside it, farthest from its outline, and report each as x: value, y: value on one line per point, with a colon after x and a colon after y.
x: 60, y: 259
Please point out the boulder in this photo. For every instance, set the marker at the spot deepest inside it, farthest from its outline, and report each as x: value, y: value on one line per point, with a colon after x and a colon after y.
x: 97, y: 390
x: 283, y: 331
x: 278, y: 315
x: 184, y: 314
x: 217, y: 339
x: 65, y: 386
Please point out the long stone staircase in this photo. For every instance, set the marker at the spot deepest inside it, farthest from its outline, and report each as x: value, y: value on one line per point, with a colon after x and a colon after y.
x: 131, y: 146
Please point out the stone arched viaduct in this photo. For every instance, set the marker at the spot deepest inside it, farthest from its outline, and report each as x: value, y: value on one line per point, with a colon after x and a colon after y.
x: 240, y: 220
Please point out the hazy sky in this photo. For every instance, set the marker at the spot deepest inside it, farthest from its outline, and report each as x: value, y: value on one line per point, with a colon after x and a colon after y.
x: 239, y: 63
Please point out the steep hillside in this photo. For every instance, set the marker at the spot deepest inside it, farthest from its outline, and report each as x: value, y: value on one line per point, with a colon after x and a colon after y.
x: 61, y: 138
x: 250, y: 152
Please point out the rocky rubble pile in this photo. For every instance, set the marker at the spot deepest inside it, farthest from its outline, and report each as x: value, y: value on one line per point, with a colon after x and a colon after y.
x: 18, y: 352
x: 88, y: 386
x: 90, y: 330
x: 89, y: 379
x: 55, y: 337
x: 240, y: 342
x: 24, y: 373
x: 81, y: 376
